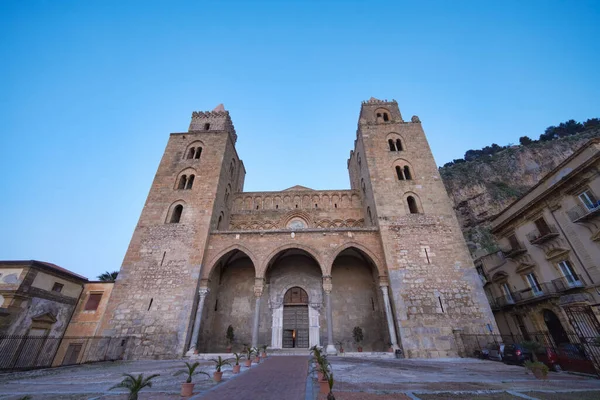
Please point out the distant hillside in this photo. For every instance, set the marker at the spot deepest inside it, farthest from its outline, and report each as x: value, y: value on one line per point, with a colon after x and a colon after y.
x: 481, y: 188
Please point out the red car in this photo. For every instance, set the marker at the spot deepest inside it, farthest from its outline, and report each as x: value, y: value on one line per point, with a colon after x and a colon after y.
x: 572, y: 358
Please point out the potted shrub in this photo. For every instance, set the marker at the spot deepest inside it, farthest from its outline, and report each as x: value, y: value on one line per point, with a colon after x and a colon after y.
x: 237, y: 366
x: 257, y: 352
x: 134, y: 384
x: 219, y: 363
x: 341, y: 345
x: 187, y: 388
x: 539, y: 369
x: 264, y: 351
x: 328, y: 376
x: 249, y: 352
x: 230, y: 337
x: 357, y: 334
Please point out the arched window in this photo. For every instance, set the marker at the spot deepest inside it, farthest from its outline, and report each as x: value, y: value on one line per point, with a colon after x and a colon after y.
x: 206, y: 127
x: 182, y: 182
x: 392, y: 146
x: 412, y: 205
x: 191, y: 153
x: 370, y: 215
x: 363, y: 186
x: 399, y: 173
x: 398, y: 145
x: 407, y: 174
x: 198, y: 153
x: 219, y: 221
x: 231, y: 169
x: 176, y: 216
x: 386, y: 118
x: 190, y: 182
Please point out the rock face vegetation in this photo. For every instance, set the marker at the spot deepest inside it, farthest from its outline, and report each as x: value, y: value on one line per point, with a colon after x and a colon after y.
x: 486, y: 181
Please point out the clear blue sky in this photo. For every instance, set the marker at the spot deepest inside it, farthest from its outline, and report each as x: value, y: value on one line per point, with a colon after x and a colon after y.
x: 90, y: 90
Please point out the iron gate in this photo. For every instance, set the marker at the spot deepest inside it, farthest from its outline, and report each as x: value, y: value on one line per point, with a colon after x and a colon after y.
x: 586, y: 326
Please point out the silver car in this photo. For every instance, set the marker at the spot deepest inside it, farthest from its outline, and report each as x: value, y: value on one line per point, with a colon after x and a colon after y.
x: 495, y: 351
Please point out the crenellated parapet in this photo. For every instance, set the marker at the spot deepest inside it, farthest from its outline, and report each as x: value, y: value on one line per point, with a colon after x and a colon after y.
x: 215, y: 120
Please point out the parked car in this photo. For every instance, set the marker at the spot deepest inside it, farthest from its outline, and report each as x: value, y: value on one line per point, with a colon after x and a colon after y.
x: 517, y: 354
x: 495, y: 351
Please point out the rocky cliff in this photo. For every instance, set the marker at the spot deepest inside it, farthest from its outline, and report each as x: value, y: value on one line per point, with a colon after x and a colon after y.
x: 480, y: 189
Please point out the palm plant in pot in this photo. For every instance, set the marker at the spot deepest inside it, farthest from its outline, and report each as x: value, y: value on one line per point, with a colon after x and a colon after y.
x: 357, y: 334
x: 340, y: 344
x: 539, y: 369
x: 237, y: 366
x: 264, y: 351
x: 257, y: 352
x: 219, y: 363
x: 230, y: 337
x: 249, y: 352
x: 328, y: 376
x: 134, y: 384
x: 187, y: 388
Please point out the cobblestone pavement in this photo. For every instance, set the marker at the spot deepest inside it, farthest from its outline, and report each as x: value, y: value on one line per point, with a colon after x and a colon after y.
x: 285, y: 378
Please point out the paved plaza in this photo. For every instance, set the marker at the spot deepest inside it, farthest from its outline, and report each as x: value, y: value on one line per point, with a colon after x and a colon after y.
x: 285, y: 377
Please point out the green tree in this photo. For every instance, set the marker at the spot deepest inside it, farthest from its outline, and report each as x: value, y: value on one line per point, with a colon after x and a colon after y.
x: 108, y: 276
x: 525, y: 140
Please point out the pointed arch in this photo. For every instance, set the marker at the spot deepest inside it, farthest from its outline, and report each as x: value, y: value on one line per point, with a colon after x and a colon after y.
x: 208, y: 267
x: 175, y: 212
x: 272, y: 257
x: 348, y: 245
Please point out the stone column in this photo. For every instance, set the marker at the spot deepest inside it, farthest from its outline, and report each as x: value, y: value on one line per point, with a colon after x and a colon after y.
x: 389, y: 316
x: 258, y: 289
x: 327, y: 286
x: 202, y: 292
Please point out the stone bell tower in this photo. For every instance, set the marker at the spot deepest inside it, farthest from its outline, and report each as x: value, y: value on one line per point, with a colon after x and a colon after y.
x: 155, y: 295
x: 432, y: 282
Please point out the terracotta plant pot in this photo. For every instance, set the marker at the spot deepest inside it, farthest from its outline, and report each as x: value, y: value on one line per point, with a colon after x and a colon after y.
x: 319, y: 376
x: 341, y: 349
x: 391, y: 350
x: 264, y: 354
x: 229, y: 349
x: 257, y: 359
x: 236, y: 369
x: 187, y: 389
x: 248, y: 363
x: 359, y: 349
x: 323, y: 387
x: 217, y: 376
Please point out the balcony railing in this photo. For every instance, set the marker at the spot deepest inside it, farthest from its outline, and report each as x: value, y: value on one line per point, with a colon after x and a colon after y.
x: 572, y: 282
x: 515, y: 250
x: 504, y: 301
x: 541, y: 290
x: 581, y: 213
x: 542, y: 236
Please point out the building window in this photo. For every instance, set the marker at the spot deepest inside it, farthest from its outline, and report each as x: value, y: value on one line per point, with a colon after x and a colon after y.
x: 190, y: 182
x: 176, y: 216
x: 407, y: 174
x: 57, y: 287
x: 392, y: 145
x: 191, y: 153
x: 386, y: 118
x: 399, y: 173
x: 542, y: 226
x: 412, y: 205
x: 569, y: 274
x: 206, y: 127
x: 589, y: 200
x: 182, y: 182
x: 198, y: 153
x: 507, y: 292
x: 399, y: 145
x: 219, y: 221
x: 534, y: 284
x: 93, y: 302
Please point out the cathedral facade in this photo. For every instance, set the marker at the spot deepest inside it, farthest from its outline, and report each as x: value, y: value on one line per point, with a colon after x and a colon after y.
x: 298, y: 267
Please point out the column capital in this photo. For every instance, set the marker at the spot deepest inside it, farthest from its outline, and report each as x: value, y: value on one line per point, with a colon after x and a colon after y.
x: 384, y: 281
x: 203, y: 291
x: 327, y: 284
x: 259, y: 285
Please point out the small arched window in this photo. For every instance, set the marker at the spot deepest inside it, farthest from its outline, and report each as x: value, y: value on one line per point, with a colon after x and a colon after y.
x: 370, y: 215
x: 176, y: 216
x: 231, y: 169
x: 407, y: 174
x: 363, y: 186
x: 182, y: 182
x: 198, y: 153
x: 191, y: 153
x: 190, y: 182
x: 398, y: 145
x: 399, y: 173
x: 392, y: 145
x: 386, y: 118
x: 412, y: 205
x: 219, y: 221
x: 206, y: 127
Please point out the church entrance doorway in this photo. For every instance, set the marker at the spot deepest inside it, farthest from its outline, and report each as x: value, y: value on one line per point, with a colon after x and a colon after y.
x: 555, y: 328
x: 295, y: 319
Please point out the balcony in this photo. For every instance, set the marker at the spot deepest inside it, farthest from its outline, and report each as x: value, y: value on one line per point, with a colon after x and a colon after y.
x: 542, y: 236
x: 516, y: 249
x: 504, y: 301
x: 583, y: 213
x: 572, y: 282
x: 543, y: 290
